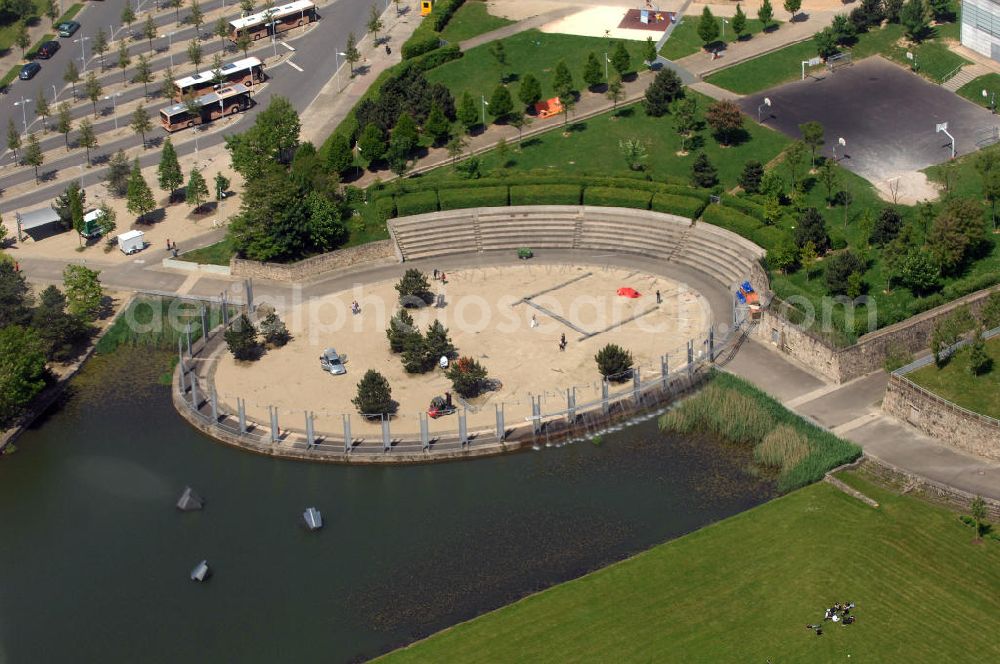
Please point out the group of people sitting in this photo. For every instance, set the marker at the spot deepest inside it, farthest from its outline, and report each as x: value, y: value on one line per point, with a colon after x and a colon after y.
x: 837, y: 613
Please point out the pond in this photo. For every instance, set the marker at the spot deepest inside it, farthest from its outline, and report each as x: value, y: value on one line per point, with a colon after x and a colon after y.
x: 95, y: 558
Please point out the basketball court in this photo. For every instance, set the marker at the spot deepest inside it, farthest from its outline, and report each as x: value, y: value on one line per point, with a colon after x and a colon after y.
x: 887, y: 116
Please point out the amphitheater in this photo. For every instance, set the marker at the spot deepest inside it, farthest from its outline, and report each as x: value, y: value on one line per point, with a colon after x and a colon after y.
x: 288, y: 407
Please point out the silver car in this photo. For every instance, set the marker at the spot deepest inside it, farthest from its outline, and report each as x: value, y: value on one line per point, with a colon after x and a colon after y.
x: 332, y: 362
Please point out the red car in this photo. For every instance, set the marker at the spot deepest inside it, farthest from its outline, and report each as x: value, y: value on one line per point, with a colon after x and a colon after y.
x: 48, y: 49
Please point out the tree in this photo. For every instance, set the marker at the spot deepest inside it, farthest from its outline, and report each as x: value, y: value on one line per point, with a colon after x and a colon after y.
x: 812, y: 136
x: 839, y: 270
x: 118, y: 173
x: 887, y: 227
x: 784, y: 255
x: 958, y: 232
x: 830, y: 178
x: 22, y: 38
x: 402, y: 142
x: 808, y: 257
x: 620, y: 59
x: 243, y: 42
x: 826, y: 43
x: 84, y: 293
x: 765, y: 14
x: 437, y: 343
x: 13, y: 137
x: 374, y: 396
x: 372, y: 143
x: 242, y: 339
x: 708, y: 27
x: 101, y: 46
x: 274, y: 330
x: 499, y: 54
x: 52, y: 11
x: 414, y: 289
x: 467, y: 376
x: 665, y: 88
x: 196, y: 192
x: 143, y: 74
x: 107, y: 222
x: 217, y: 76
x: 703, y: 173
x: 92, y: 89
x: 990, y: 313
x: 149, y: 30
x: 374, y: 23
x: 593, y: 72
x: 562, y: 80
x: 42, y: 109
x: 400, y: 328
x: 634, y: 152
x: 918, y: 272
x: 58, y: 330
x: 139, y: 197
x: 753, y: 173
x: 72, y: 75
x: 979, y: 361
x: 140, y: 123
x: 123, y: 60
x: 948, y: 331
x: 843, y: 30
x: 649, y: 51
x: 273, y: 137
x: 15, y: 296
x: 568, y: 103
x: 339, y: 157
x: 529, y: 92
x: 221, y: 30
x: 795, y: 155
x: 792, y: 7
x: 33, y: 154
x: 168, y: 171
x: 467, y: 112
x: 739, y: 22
x: 128, y: 16
x: 519, y: 122
x: 978, y: 511
x: 197, y: 18
x: 194, y: 54
x: 353, y: 54
x: 614, y: 362
x: 87, y: 138
x: 221, y: 186
x: 914, y: 17
x: 812, y: 227
x: 22, y: 371
x: 247, y: 6
x: 64, y: 122
x: 69, y: 205
x: 437, y: 126
x: 726, y: 119
x: 501, y: 105
x: 685, y: 111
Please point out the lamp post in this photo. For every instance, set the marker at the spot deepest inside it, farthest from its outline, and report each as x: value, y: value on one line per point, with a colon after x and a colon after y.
x: 339, y: 53
x: 724, y: 21
x: 83, y: 51
x: 842, y: 143
x: 55, y: 93
x: 24, y: 112
x: 114, y: 103
x: 767, y: 103
x: 169, y: 36
x: 606, y: 61
x: 993, y: 100
x: 485, y: 104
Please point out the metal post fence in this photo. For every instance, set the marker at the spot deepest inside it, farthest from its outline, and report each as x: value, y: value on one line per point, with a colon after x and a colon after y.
x: 711, y: 344
x: 348, y: 440
x: 571, y: 405
x: 241, y: 405
x: 195, y: 402
x: 425, y: 439
x: 463, y: 430
x: 690, y: 357
x: 386, y: 440
x: 501, y: 429
x: 536, y: 414
x: 204, y: 326
x: 664, y: 372
x: 275, y: 433
x: 636, y: 385
x: 310, y: 438
x: 215, y: 405
x: 604, y: 396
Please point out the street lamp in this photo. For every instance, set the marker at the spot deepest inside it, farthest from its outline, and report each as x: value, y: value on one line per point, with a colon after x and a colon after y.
x: 24, y: 112
x: 606, y: 61
x: 724, y: 21
x: 485, y: 104
x: 114, y: 102
x: 83, y: 51
x: 170, y: 42
x: 993, y: 100
x: 55, y: 93
x: 767, y: 103
x: 842, y: 144
x: 338, y: 54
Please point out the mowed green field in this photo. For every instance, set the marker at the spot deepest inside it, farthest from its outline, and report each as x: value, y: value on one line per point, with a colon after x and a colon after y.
x: 742, y: 590
x: 980, y: 394
x: 470, y: 20
x: 684, y: 40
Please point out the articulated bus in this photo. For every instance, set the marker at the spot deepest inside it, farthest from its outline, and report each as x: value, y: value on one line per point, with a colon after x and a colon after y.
x: 211, y: 106
x: 279, y: 19
x: 249, y: 72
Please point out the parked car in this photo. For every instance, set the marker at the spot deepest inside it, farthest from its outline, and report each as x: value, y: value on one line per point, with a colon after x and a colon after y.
x: 67, y: 28
x: 29, y: 70
x: 48, y: 49
x: 332, y: 362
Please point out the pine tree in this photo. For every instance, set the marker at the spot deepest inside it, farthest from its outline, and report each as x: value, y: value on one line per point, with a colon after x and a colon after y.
x: 140, y: 123
x: 196, y: 192
x: 168, y: 89
x: 739, y: 22
x: 144, y: 74
x: 101, y: 46
x: 765, y: 14
x: 708, y: 27
x: 197, y: 18
x: 87, y: 138
x: 194, y: 54
x: 664, y: 88
x: 753, y: 173
x: 593, y: 72
x: 374, y: 396
x: 353, y: 54
x: 242, y: 339
x: 149, y: 30
x: 792, y: 7
x: 501, y: 104
x: 339, y: 157
x: 13, y: 137
x: 128, y: 16
x: 437, y: 125
x: 649, y: 51
x: 22, y: 38
x: 124, y: 60
x: 118, y: 174
x: 621, y: 60
x: 92, y: 89
x: 703, y: 173
x: 467, y: 112
x: 562, y: 81
x: 530, y: 91
x: 33, y: 154
x: 140, y: 200
x: 72, y: 75
x: 221, y: 186
x: 64, y: 122
x: 372, y: 144
x: 615, y: 93
x: 42, y: 109
x: 169, y: 174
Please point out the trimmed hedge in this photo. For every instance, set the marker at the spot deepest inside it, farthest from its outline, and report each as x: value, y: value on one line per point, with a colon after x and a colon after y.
x: 611, y: 197
x: 734, y: 220
x: 455, y: 199
x: 417, y: 203
x: 385, y: 207
x: 443, y: 11
x: 434, y: 58
x: 682, y: 206
x: 745, y: 206
x: 769, y: 237
x: 545, y: 194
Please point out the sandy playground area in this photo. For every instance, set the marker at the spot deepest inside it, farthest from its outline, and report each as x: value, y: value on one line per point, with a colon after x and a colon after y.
x: 488, y: 319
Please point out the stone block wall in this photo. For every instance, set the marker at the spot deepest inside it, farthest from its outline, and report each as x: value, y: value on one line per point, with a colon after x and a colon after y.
x: 941, y: 419
x: 317, y: 265
x: 950, y: 497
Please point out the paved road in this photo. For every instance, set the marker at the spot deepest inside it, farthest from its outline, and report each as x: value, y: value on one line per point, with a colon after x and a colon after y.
x: 315, y: 55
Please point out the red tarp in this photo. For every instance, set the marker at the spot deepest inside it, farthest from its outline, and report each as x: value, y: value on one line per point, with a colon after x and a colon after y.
x: 625, y: 291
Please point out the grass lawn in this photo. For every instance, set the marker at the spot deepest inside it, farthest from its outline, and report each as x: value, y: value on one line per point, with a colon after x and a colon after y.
x: 742, y: 590
x: 470, y: 20
x: 9, y: 32
x: 684, y: 40
x: 531, y: 52
x: 973, y: 90
x: 953, y: 381
x: 212, y: 254
x: 766, y: 71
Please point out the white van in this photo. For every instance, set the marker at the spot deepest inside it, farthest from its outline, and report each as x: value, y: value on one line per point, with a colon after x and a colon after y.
x: 131, y: 242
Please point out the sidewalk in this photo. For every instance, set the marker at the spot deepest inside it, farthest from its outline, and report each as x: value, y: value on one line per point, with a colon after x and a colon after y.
x: 852, y: 412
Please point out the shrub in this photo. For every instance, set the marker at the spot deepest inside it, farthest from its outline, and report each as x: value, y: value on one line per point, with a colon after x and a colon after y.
x: 558, y: 194
x: 745, y: 206
x: 734, y: 220
x: 682, y: 206
x: 614, y: 362
x: 979, y: 360
x: 374, y: 397
x: 990, y: 313
x: 771, y: 238
x: 274, y: 331
x: 812, y: 228
x: 438, y: 343
x: 400, y: 327
x: 420, y: 44
x: 414, y: 289
x: 241, y: 338
x: 839, y: 271
x: 416, y: 203
x: 455, y: 199
x: 436, y: 57
x: 467, y: 376
x: 611, y: 197
x: 385, y: 207
x: 443, y: 11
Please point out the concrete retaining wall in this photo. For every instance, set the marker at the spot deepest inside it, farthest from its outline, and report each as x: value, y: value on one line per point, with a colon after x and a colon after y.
x: 930, y: 490
x: 317, y: 265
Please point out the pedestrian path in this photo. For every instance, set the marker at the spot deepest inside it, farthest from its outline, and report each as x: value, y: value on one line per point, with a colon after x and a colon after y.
x: 852, y: 411
x: 965, y: 75
x: 529, y: 23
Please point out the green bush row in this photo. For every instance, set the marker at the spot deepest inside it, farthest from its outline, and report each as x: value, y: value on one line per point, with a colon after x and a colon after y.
x: 456, y: 199
x: 734, y: 220
x: 443, y: 11
x: 426, y: 37
x: 545, y: 194
x: 417, y: 203
x: 745, y: 206
x: 682, y: 206
x: 614, y: 197
x: 769, y: 237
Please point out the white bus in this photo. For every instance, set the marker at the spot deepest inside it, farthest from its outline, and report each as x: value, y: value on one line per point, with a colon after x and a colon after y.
x: 211, y: 106
x: 249, y: 72
x: 278, y: 19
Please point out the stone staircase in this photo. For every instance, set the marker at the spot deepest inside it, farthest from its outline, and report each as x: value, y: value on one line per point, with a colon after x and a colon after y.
x: 965, y: 74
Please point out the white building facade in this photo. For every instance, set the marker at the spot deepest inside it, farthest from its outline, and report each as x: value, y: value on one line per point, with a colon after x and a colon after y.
x: 981, y: 26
